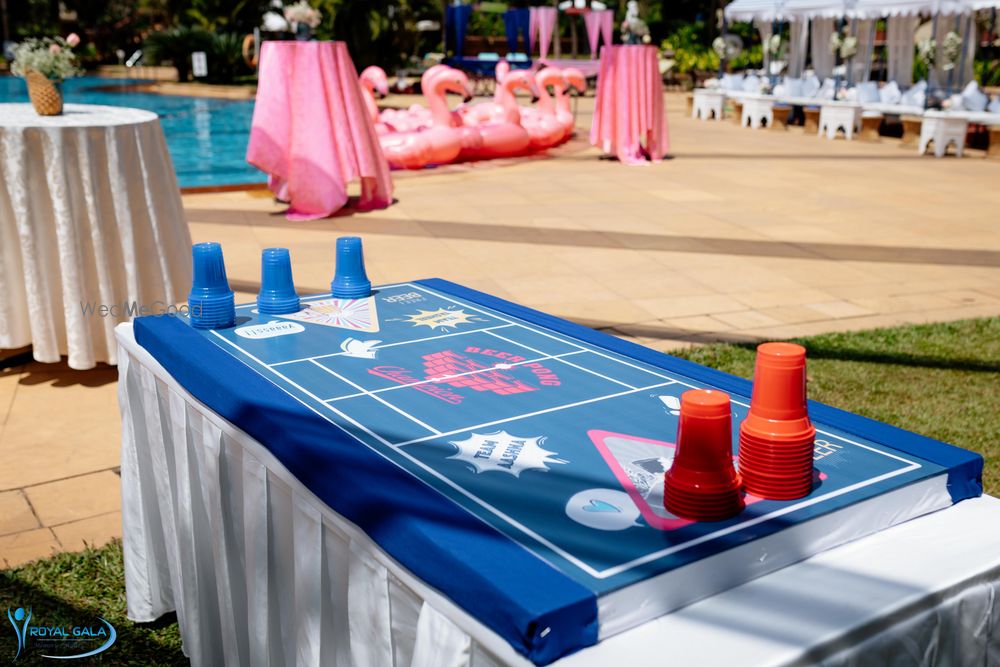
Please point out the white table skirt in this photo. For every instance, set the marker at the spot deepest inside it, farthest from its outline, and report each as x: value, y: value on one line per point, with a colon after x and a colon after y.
x: 260, y: 571
x: 90, y: 215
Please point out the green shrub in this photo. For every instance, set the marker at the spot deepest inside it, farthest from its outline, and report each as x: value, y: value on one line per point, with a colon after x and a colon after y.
x: 175, y: 46
x: 225, y: 58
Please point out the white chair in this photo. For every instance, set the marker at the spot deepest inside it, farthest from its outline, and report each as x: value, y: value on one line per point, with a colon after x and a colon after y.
x: 890, y: 93
x: 943, y: 128
x: 757, y: 112
x: 839, y: 116
x: 974, y: 99
x: 708, y: 104
x: 915, y: 95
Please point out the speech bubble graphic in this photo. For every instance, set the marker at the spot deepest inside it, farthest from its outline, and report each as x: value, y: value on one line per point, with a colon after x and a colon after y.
x: 440, y: 319
x: 503, y: 452
x: 603, y: 509
x: 270, y: 329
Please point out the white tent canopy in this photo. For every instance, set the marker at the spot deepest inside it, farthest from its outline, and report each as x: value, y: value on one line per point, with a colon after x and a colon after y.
x: 799, y: 10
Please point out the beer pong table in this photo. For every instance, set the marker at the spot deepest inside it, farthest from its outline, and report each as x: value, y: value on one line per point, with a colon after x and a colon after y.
x: 435, y: 476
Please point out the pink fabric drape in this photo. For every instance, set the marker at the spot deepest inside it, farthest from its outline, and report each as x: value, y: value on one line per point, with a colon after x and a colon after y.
x: 532, y: 28
x: 545, y: 17
x: 607, y: 25
x: 311, y: 132
x: 599, y: 26
x: 593, y: 22
x: 629, y: 117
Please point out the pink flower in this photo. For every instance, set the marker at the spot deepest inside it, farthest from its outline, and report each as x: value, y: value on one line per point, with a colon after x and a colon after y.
x: 55, y: 48
x: 72, y: 39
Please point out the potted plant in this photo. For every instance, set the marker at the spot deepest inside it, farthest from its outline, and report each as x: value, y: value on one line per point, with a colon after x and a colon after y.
x: 304, y: 19
x: 43, y: 64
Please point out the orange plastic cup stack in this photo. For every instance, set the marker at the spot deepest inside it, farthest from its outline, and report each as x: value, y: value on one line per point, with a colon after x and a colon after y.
x: 702, y: 484
x: 776, y: 438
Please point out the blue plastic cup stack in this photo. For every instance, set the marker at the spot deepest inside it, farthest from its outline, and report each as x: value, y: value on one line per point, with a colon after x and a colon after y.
x: 350, y: 280
x: 277, y: 291
x: 211, y: 301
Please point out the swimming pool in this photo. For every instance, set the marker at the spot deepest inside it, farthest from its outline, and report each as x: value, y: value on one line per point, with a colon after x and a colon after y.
x: 207, y: 138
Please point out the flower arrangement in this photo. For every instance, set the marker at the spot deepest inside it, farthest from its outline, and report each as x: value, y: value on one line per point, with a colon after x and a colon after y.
x: 633, y: 29
x: 849, y: 47
x: 951, y: 49
x: 728, y: 47
x: 774, y: 45
x: 301, y: 12
x: 835, y: 42
x: 927, y: 51
x: 50, y: 56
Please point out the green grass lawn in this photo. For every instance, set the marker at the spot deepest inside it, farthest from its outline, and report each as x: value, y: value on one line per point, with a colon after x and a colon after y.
x: 941, y: 380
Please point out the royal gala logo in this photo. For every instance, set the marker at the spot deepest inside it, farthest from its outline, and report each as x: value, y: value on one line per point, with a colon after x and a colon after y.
x: 59, y: 642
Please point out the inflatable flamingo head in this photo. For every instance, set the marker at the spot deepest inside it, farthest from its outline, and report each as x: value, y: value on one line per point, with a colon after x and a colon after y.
x: 374, y: 79
x: 551, y: 76
x: 521, y: 79
x: 501, y: 70
x: 575, y: 79
x: 427, y: 79
x: 449, y: 81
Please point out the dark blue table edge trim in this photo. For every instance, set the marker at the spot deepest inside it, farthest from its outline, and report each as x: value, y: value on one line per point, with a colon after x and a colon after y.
x: 965, y: 468
x: 547, y: 598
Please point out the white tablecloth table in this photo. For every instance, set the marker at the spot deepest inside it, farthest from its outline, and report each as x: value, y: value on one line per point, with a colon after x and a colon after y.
x: 90, y: 215
x: 260, y: 571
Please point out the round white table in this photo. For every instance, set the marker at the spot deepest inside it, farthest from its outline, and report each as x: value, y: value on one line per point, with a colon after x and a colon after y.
x: 92, y: 229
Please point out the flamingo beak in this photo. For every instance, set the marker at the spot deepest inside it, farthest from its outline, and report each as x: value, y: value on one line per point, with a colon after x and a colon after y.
x: 534, y: 99
x: 467, y: 98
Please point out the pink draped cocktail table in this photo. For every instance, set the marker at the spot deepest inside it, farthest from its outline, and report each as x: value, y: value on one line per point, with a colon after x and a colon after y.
x: 629, y: 118
x: 311, y: 132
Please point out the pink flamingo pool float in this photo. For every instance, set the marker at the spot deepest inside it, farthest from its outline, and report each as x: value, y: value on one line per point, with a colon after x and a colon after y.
x: 441, y: 141
x: 493, y: 129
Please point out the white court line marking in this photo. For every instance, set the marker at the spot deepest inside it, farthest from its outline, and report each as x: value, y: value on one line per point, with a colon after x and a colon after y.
x: 310, y: 395
x: 599, y: 574
x: 402, y: 342
x: 449, y: 377
x: 618, y: 569
x: 533, y: 414
x: 598, y: 351
x: 585, y: 370
x: 420, y: 464
x: 384, y: 402
x: 593, y: 348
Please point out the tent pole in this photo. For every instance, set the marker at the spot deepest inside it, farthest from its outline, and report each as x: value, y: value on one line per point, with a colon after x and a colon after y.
x: 850, y: 61
x: 871, y: 54
x: 725, y: 33
x: 930, y: 66
x: 837, y: 60
x: 951, y: 72
x: 965, y: 47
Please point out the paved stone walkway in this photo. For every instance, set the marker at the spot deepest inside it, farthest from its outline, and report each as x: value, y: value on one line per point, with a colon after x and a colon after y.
x: 742, y: 235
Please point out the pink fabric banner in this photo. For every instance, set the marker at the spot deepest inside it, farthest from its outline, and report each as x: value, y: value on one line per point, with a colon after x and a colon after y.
x: 607, y: 26
x: 629, y: 117
x: 311, y: 132
x: 532, y: 28
x: 593, y: 22
x: 546, y: 20
x: 599, y: 24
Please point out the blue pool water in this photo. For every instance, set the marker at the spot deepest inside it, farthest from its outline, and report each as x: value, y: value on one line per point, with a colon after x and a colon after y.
x: 207, y: 138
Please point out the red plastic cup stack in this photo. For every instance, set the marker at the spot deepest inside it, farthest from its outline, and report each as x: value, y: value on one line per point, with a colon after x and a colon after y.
x: 776, y: 438
x: 702, y: 484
